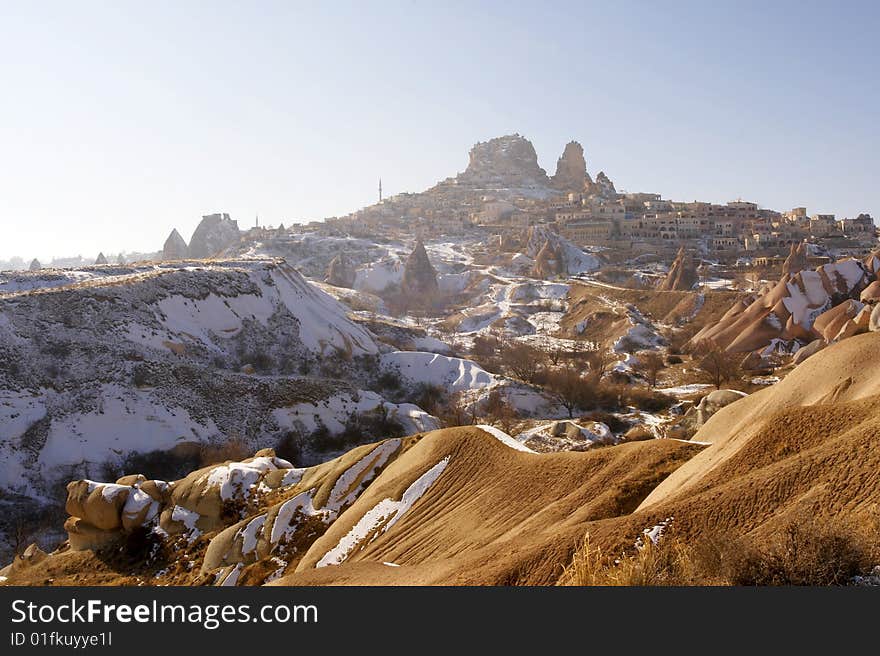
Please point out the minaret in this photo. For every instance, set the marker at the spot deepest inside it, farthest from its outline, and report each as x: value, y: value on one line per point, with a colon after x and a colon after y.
x: 380, y: 190
x: 258, y: 220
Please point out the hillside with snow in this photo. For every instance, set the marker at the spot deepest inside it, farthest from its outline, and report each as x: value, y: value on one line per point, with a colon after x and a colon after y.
x: 98, y: 365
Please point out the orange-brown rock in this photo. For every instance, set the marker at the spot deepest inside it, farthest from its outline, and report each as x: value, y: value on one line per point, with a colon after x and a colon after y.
x: 682, y: 275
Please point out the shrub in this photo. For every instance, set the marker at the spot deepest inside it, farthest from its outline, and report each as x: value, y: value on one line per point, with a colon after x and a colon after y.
x: 162, y: 465
x: 233, y: 449
x: 289, y: 447
x: 429, y: 397
x: 389, y: 380
x: 615, y: 423
x: 647, y: 399
x: 812, y: 554
x: 140, y: 377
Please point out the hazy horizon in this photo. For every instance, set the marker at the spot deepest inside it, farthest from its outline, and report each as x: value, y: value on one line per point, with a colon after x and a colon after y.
x: 127, y: 121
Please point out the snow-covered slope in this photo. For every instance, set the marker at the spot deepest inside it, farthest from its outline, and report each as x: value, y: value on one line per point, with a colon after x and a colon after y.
x: 98, y: 365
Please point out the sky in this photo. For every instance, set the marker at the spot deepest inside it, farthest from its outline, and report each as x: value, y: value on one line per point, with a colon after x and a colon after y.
x: 122, y: 120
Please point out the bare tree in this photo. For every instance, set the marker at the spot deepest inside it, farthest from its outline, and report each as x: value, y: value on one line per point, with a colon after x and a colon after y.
x: 500, y: 412
x: 649, y: 364
x: 570, y: 389
x: 522, y: 361
x: 718, y: 366
x: 599, y: 360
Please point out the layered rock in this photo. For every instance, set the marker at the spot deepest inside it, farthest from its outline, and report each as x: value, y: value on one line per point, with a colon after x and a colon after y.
x: 871, y: 293
x: 504, y: 162
x: 419, y: 276
x: 214, y: 234
x: 175, y: 247
x: 796, y: 308
x: 571, y: 169
x: 796, y: 260
x: 682, y: 275
x: 341, y: 272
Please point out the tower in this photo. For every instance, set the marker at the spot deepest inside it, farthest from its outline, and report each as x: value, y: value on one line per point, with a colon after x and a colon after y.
x: 380, y: 190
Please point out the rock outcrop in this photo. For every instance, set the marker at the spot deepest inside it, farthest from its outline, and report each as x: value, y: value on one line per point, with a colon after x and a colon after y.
x: 571, y: 169
x: 602, y: 187
x: 874, y: 323
x: 549, y: 263
x: 809, y: 350
x: 419, y: 276
x: 572, y: 260
x: 871, y: 293
x: 699, y: 414
x: 101, y: 259
x: 799, y: 309
x: 214, y: 234
x: 682, y: 275
x: 796, y: 260
x: 341, y: 272
x: 175, y: 247
x: 504, y: 162
x: 35, y: 265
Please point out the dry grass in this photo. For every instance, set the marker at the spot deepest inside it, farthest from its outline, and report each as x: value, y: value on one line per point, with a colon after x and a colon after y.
x: 811, y: 553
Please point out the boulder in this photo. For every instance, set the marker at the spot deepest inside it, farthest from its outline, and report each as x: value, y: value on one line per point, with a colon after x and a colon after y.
x: 131, y: 479
x: 559, y: 428
x: 810, y: 349
x: 638, y: 434
x: 857, y: 325
x: 98, y: 504
x: 32, y: 555
x: 83, y: 536
x: 874, y: 322
x: 714, y: 401
x: 831, y: 322
x: 871, y: 293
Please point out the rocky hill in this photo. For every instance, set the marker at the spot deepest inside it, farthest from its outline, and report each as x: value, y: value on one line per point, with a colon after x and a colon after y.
x: 400, y: 510
x: 214, y: 234
x: 822, y: 304
x: 503, y: 162
x: 100, y: 365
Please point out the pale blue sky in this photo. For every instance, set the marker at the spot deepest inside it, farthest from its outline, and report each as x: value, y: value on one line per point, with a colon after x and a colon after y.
x: 121, y: 120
